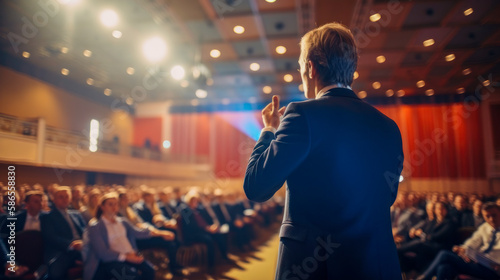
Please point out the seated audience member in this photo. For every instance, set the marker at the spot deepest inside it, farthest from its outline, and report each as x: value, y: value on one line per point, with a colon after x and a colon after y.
x: 450, y: 198
x: 88, y: 211
x: 150, y: 212
x: 424, y: 225
x: 408, y: 218
x: 29, y: 219
x: 76, y: 198
x: 459, y: 211
x: 111, y: 245
x: 498, y: 201
x: 475, y: 218
x: 165, y: 199
x: 438, y: 235
x: 62, y: 233
x: 229, y: 215
x: 485, y: 242
x: 46, y: 203
x: 195, y: 229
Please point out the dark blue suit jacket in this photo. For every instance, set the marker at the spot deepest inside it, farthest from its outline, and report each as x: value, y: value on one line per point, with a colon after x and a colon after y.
x: 57, y: 232
x: 341, y: 159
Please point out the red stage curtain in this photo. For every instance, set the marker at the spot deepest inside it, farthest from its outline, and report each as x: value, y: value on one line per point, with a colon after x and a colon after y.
x: 440, y: 140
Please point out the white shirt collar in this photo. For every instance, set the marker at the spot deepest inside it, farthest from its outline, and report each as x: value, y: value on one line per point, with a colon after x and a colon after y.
x: 34, y: 217
x: 108, y: 222
x: 327, y: 88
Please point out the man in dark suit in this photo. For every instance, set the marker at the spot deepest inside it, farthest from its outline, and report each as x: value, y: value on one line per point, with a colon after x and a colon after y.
x: 342, y: 161
x: 62, y: 231
x: 30, y: 218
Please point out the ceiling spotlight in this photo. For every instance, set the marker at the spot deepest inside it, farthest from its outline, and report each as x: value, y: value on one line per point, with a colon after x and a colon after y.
x: 380, y: 59
x: 117, y: 34
x: 389, y: 93
x: 400, y: 93
x: 107, y: 92
x: 254, y: 66
x: 130, y: 71
x: 238, y: 29
x: 200, y: 93
x: 270, y: 1
x: 267, y: 89
x: 178, y: 72
x: 64, y: 50
x: 486, y: 83
x: 26, y: 54
x: 460, y: 90
x: 90, y: 81
x: 65, y: 71
x: 301, y: 87
x: 129, y: 101
x: 280, y: 50
x: 450, y: 57
x: 466, y: 71
x: 375, y: 17
x: 215, y: 53
x: 362, y: 94
x: 184, y: 84
x: 87, y: 53
x: 428, y: 43
x: 468, y: 11
x: 154, y: 49
x: 109, y: 18
x: 288, y: 78
x: 421, y: 84
x: 376, y: 85
x: 356, y: 75
x: 429, y: 92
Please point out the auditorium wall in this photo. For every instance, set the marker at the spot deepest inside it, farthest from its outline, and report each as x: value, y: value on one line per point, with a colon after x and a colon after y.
x: 25, y: 97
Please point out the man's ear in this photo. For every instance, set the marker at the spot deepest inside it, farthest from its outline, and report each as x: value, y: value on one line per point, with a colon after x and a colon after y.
x: 311, y: 70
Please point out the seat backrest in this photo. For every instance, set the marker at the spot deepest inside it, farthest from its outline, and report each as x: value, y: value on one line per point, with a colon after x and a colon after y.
x: 29, y: 248
x: 180, y: 233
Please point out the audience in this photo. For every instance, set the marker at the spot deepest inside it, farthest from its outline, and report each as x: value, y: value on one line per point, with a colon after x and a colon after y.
x: 111, y: 245
x: 62, y: 231
x: 465, y: 259
x: 215, y: 217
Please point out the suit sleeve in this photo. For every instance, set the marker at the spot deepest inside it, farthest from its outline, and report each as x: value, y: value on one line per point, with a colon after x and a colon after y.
x: 274, y: 159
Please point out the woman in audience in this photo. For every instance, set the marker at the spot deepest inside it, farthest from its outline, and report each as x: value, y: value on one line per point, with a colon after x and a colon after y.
x: 89, y: 211
x: 110, y: 245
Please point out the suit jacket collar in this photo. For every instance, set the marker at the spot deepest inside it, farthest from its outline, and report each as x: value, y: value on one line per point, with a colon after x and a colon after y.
x: 341, y: 92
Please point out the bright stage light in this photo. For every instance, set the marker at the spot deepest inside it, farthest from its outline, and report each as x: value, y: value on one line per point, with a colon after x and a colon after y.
x: 154, y: 49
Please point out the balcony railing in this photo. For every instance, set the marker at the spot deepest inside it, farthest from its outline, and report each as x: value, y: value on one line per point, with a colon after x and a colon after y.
x: 28, y: 128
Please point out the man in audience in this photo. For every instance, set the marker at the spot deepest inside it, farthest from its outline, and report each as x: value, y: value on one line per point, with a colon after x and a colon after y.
x: 62, y: 231
x: 29, y: 219
x: 459, y: 211
x: 76, y: 198
x: 484, y: 242
x: 165, y: 197
x: 408, y: 218
x: 475, y: 218
x: 196, y: 229
x: 428, y: 241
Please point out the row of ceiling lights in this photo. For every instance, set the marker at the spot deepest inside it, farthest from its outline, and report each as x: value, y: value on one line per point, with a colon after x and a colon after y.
x: 376, y: 17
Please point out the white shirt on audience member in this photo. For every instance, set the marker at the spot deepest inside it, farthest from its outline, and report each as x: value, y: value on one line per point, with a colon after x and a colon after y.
x: 481, y: 239
x: 32, y: 222
x: 117, y: 238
